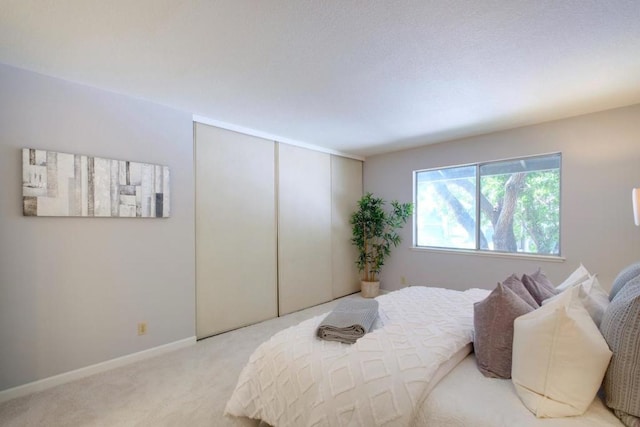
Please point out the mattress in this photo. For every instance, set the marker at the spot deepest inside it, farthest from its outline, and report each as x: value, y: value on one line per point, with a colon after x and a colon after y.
x: 464, y: 397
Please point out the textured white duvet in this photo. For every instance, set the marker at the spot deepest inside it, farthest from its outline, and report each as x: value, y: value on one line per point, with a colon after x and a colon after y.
x: 296, y: 379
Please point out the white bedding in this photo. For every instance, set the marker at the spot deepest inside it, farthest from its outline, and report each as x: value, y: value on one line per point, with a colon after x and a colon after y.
x: 296, y: 379
x: 466, y: 398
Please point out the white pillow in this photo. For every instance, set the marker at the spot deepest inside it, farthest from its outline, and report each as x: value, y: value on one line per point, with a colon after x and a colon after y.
x: 594, y: 298
x: 580, y: 275
x: 559, y: 357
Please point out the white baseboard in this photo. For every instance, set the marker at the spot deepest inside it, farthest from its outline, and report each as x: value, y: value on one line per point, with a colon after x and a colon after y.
x: 66, y: 377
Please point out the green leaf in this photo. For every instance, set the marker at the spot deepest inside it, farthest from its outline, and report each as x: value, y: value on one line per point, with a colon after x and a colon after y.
x: 374, y: 231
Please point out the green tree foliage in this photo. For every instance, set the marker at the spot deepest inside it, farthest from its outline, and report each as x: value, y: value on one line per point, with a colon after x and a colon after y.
x: 540, y: 212
x: 521, y: 211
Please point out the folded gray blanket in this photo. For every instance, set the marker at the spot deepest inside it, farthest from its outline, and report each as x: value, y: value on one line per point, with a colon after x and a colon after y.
x: 349, y: 320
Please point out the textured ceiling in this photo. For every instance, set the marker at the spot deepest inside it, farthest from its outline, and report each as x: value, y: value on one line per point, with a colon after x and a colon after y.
x: 360, y: 76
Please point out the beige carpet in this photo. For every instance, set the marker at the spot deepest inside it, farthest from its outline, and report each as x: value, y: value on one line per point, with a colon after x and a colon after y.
x: 187, y: 387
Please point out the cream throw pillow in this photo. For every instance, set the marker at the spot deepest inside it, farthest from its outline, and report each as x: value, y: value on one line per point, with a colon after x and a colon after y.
x: 580, y: 275
x: 559, y: 357
x: 594, y: 298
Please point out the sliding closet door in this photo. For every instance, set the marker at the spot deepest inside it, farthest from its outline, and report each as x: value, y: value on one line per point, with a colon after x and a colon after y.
x: 304, y: 228
x: 235, y: 230
x: 346, y: 190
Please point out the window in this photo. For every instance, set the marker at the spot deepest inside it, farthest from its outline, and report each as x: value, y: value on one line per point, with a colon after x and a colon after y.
x: 508, y: 206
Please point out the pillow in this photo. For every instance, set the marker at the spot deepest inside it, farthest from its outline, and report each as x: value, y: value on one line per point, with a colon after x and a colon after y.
x: 512, y: 282
x: 621, y: 328
x: 630, y: 272
x: 541, y: 278
x: 493, y: 323
x: 559, y: 357
x: 539, y: 286
x: 594, y: 298
x: 580, y: 275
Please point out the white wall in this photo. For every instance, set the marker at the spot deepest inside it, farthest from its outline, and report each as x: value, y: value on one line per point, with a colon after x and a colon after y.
x: 600, y: 166
x: 72, y: 290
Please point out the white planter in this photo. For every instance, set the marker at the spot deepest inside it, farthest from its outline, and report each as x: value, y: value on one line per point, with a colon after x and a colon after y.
x: 369, y: 289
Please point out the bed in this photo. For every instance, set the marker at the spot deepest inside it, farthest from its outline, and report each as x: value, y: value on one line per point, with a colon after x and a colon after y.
x: 414, y: 368
x: 464, y: 397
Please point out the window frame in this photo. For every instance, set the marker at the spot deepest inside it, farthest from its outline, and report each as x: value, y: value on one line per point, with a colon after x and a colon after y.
x: 477, y: 250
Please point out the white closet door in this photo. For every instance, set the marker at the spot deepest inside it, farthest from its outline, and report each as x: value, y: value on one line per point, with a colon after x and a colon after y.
x: 304, y: 228
x: 235, y: 230
x: 346, y: 190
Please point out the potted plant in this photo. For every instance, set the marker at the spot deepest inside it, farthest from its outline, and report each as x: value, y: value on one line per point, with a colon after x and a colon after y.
x: 374, y: 231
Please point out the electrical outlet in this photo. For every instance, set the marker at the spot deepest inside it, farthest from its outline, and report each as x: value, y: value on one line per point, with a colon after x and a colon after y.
x: 403, y: 280
x: 142, y: 328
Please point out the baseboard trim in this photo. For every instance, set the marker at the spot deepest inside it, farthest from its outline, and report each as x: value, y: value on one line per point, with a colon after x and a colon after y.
x: 43, y: 384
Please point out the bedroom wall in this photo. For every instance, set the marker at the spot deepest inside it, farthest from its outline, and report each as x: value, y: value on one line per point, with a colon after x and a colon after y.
x: 600, y: 166
x: 72, y: 290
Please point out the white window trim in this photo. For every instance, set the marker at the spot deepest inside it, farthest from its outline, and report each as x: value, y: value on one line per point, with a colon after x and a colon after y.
x: 485, y: 252
x: 491, y: 254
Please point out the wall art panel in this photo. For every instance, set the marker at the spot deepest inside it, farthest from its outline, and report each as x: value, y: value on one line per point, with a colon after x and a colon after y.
x: 62, y: 184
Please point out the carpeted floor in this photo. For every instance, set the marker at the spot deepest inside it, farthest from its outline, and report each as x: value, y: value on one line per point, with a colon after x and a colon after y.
x: 187, y: 387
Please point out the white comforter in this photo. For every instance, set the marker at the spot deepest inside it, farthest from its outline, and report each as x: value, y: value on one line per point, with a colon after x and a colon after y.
x: 296, y: 379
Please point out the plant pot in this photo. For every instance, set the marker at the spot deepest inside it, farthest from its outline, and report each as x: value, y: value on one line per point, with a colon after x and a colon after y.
x: 369, y: 289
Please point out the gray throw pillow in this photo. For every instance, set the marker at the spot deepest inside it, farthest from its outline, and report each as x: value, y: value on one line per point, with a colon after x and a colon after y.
x: 542, y: 279
x: 539, y: 286
x: 512, y: 282
x: 493, y: 323
x: 621, y: 329
x: 630, y: 272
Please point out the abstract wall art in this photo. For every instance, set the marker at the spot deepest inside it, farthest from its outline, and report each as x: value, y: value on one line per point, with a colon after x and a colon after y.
x: 61, y: 184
